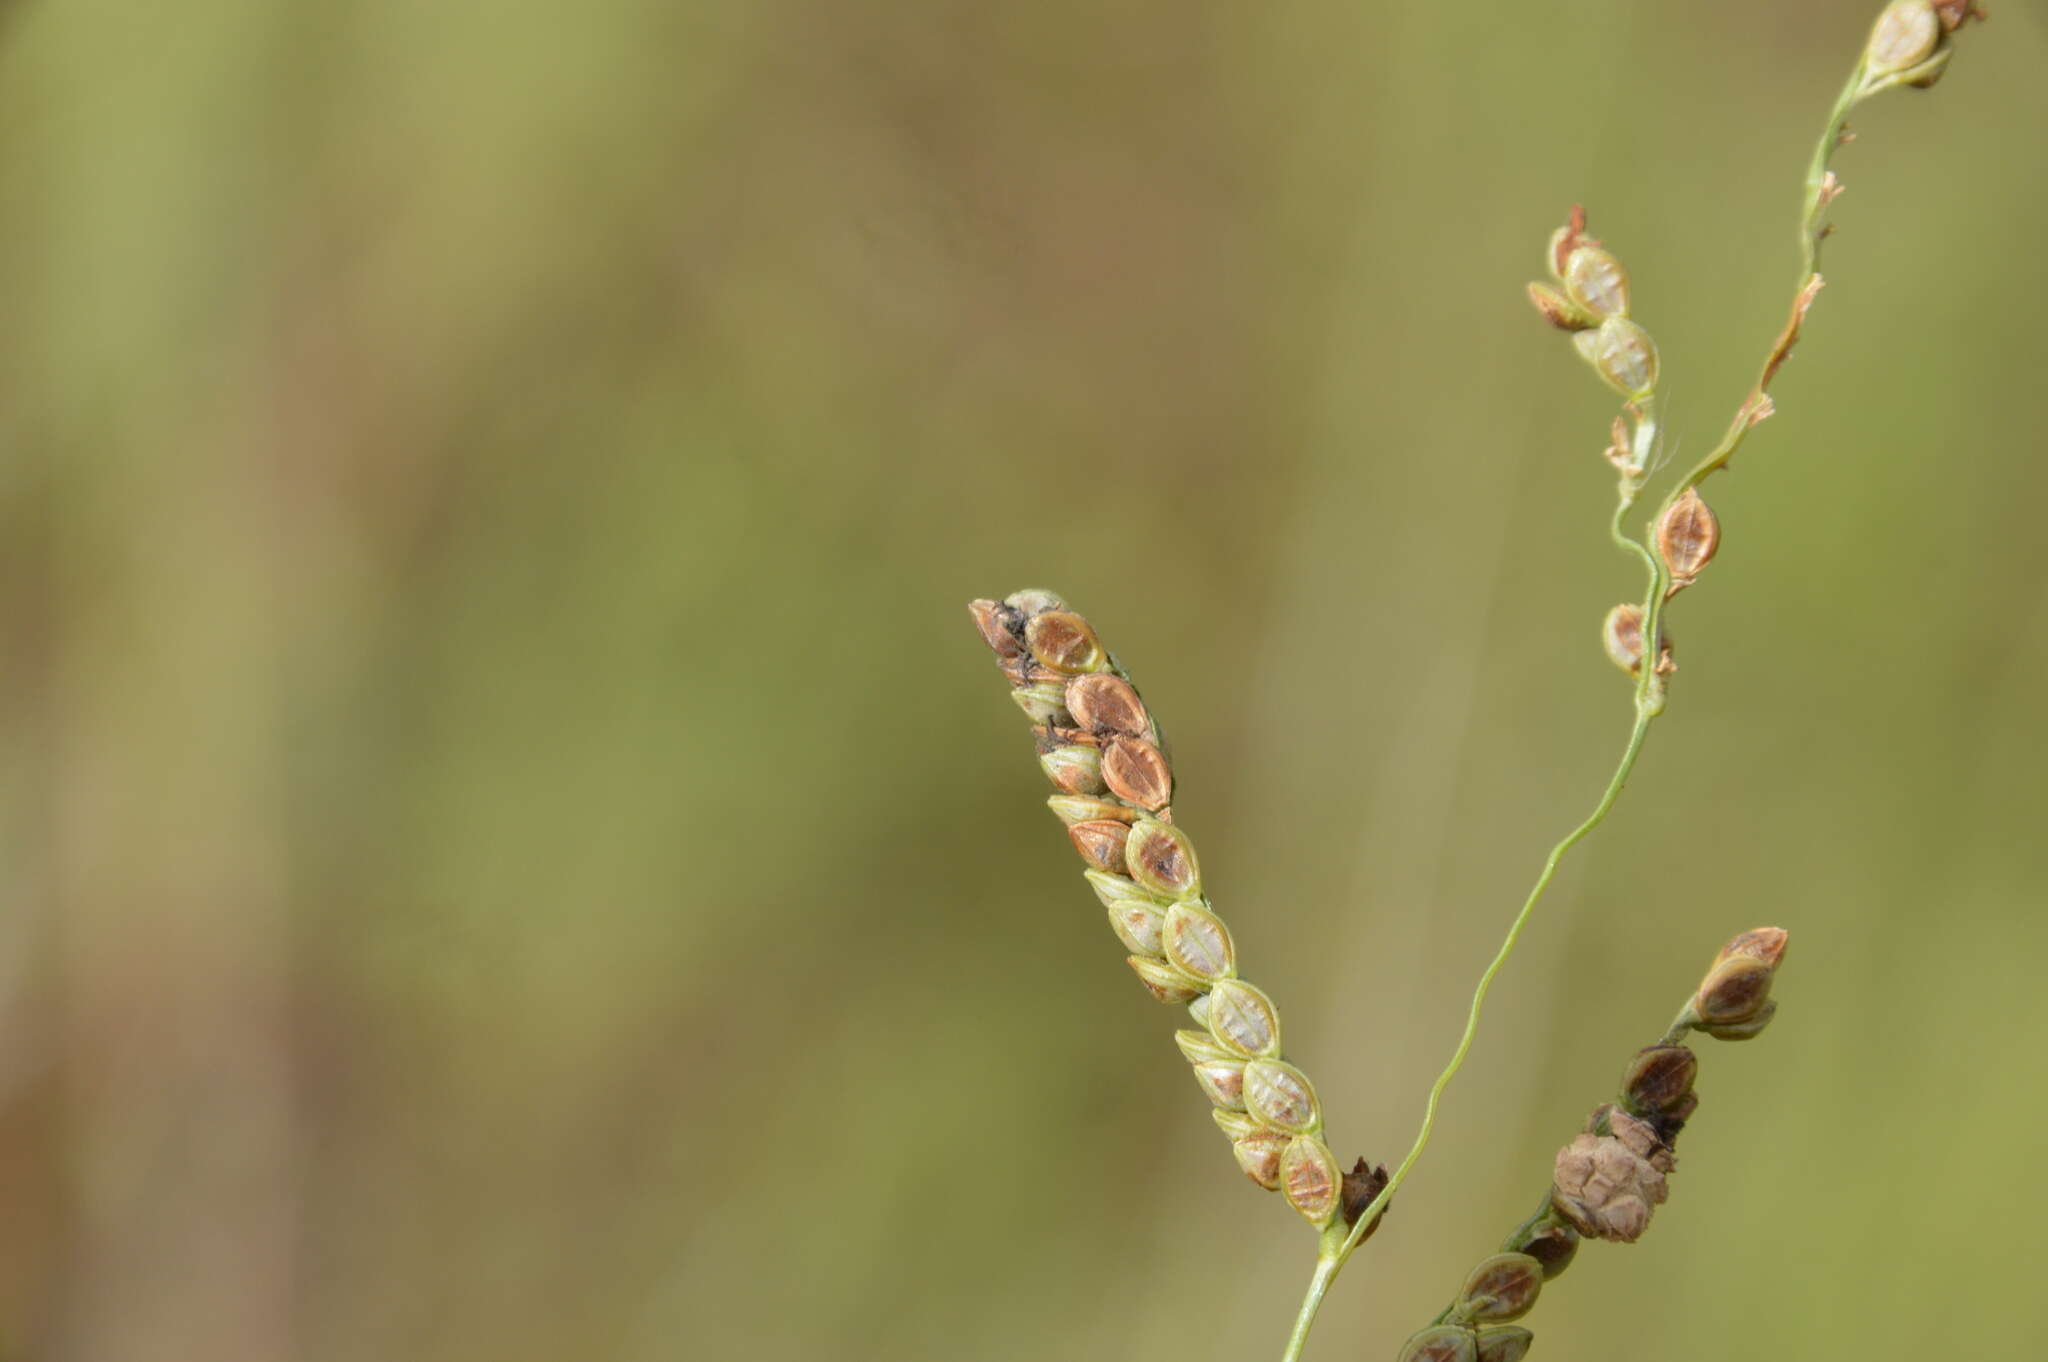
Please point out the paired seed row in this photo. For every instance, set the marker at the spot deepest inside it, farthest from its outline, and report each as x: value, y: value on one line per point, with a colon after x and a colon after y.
x: 1103, y: 753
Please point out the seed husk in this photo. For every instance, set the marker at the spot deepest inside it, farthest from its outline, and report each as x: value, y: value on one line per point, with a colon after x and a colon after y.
x: 1138, y: 925
x: 1622, y: 353
x: 1260, y: 1154
x: 1733, y: 992
x: 1043, y: 702
x: 1502, y: 1288
x: 1162, y: 980
x: 1063, y: 641
x: 1550, y: 1241
x: 1309, y: 1177
x: 1242, y: 1018
x: 1559, y: 310
x: 1072, y: 809
x: 1758, y: 943
x: 1137, y: 773
x: 993, y: 619
x: 1198, y: 944
x: 1116, y: 890
x: 1743, y: 1030
x: 1199, y: 1047
x: 1107, y: 703
x: 1162, y: 859
x: 1905, y: 35
x: 1441, y: 1343
x: 1596, y: 282
x: 1074, y: 770
x: 1504, y: 1343
x: 1281, y: 1096
x: 1223, y: 1081
x: 1034, y: 601
x: 1621, y: 634
x: 1687, y: 536
x: 1659, y: 1078
x: 1101, y: 843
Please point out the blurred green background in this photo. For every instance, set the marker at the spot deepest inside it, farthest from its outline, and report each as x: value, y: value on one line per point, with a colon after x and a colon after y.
x: 514, y: 851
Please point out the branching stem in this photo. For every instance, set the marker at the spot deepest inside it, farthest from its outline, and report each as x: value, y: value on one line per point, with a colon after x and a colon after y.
x: 1334, y: 1250
x: 1339, y: 1241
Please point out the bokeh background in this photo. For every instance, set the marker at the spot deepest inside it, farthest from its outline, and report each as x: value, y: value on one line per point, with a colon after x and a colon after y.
x: 514, y: 851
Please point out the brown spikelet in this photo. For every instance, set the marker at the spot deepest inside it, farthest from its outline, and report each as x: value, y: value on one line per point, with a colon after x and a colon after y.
x: 1137, y: 773
x: 1105, y: 703
x: 1687, y: 536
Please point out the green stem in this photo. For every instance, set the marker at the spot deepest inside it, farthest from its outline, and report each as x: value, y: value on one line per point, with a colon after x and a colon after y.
x: 1327, y: 1264
x: 1333, y: 1253
x: 1813, y: 230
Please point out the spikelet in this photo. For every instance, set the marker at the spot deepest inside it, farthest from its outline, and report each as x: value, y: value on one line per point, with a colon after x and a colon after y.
x: 1104, y: 754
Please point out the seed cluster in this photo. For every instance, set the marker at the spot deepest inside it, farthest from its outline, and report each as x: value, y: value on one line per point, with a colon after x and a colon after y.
x: 1103, y: 753
x: 1613, y: 1175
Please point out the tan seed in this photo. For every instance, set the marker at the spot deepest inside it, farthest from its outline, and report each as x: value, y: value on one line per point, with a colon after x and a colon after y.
x: 1281, y: 1096
x: 1073, y: 770
x: 1758, y: 943
x: 1082, y: 808
x: 1138, y: 925
x: 1043, y: 701
x: 1162, y: 859
x: 1309, y: 1177
x: 1108, y: 704
x: 1101, y: 843
x: 1223, y: 1081
x: 1596, y: 281
x: 1137, y: 773
x: 1034, y: 601
x: 1559, y: 310
x: 1197, y: 943
x: 1623, y: 354
x: 1063, y: 641
x: 1687, y: 536
x: 1243, y: 1018
x: 1905, y: 36
x: 1733, y: 992
x: 993, y: 619
x: 1115, y: 890
x: 1199, y: 1047
x: 1259, y: 1155
x: 1162, y: 980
